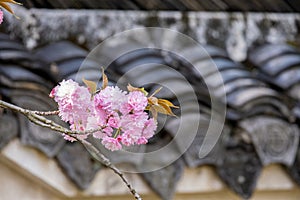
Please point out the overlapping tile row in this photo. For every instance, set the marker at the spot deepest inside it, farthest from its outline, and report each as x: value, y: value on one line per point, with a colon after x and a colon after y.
x: 152, y: 68
x: 261, y: 131
x: 182, y: 5
x: 279, y: 65
x: 26, y: 82
x: 68, y: 61
x: 258, y: 130
x: 26, y: 79
x: 8, y: 123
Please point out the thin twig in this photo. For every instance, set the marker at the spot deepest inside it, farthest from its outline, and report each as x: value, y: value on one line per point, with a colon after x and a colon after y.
x: 55, y: 112
x: 103, y: 159
x: 34, y: 117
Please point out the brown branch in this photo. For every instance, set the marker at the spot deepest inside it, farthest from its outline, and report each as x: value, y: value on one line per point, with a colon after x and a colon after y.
x: 34, y: 117
x: 55, y: 112
x: 103, y: 159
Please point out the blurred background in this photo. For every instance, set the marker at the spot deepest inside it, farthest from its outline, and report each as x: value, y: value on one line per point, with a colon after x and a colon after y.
x: 252, y: 45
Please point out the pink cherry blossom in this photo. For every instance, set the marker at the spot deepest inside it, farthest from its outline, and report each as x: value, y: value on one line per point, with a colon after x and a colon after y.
x: 119, y: 116
x: 101, y: 116
x: 150, y: 127
x: 114, y: 120
x: 99, y: 135
x: 69, y: 138
x: 108, y: 130
x: 128, y: 138
x: 142, y: 140
x: 111, y: 143
x: 74, y: 103
x: 136, y: 102
x: 92, y: 124
x: 110, y: 99
x: 134, y: 121
x: 82, y: 136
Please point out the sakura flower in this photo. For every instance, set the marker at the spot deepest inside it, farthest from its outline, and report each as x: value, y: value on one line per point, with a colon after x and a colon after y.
x: 74, y: 103
x: 69, y: 138
x: 64, y: 90
x: 134, y: 122
x: 101, y: 115
x: 136, y: 102
x: 109, y: 99
x: 118, y: 117
x: 142, y: 140
x: 126, y: 139
x: 108, y: 130
x: 114, y: 121
x: 150, y: 127
x: 92, y: 124
x: 137, y: 128
x: 99, y: 135
x: 82, y: 136
x: 111, y: 143
x: 130, y: 137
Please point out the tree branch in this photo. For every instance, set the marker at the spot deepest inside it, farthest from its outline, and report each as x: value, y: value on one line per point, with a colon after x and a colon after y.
x: 103, y: 159
x: 35, y: 117
x: 55, y: 112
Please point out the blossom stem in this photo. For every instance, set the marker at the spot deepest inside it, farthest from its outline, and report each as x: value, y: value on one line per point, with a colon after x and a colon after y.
x: 103, y: 159
x: 55, y: 112
x: 117, y: 133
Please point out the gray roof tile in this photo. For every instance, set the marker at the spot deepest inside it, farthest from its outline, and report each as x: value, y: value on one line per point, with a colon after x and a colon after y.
x: 251, y: 100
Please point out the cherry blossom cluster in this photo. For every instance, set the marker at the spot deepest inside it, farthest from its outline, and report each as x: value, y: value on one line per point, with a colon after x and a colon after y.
x: 119, y: 115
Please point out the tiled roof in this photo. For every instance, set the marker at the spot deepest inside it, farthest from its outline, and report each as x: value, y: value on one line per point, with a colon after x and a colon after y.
x: 284, y: 77
x: 262, y: 104
x: 182, y: 5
